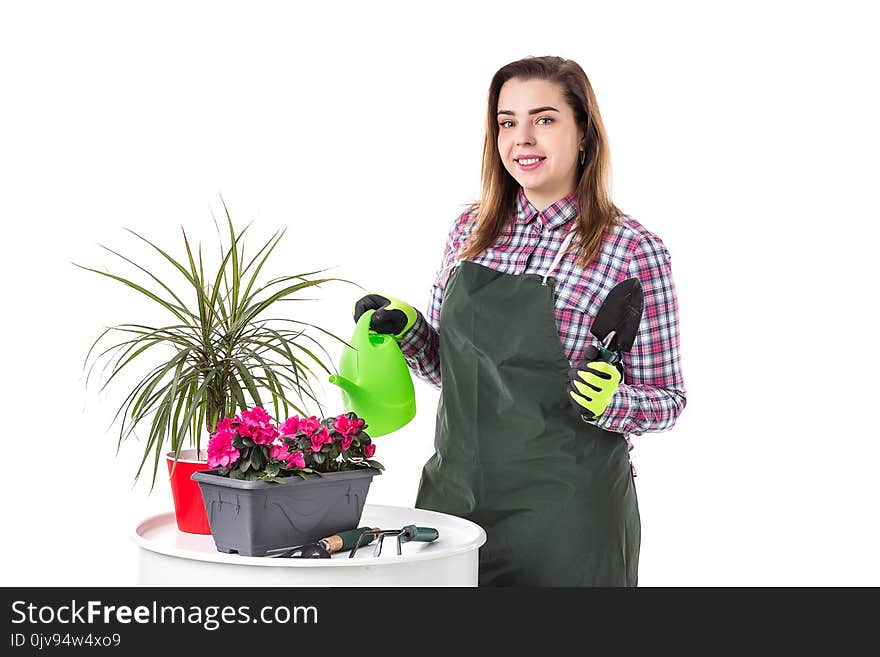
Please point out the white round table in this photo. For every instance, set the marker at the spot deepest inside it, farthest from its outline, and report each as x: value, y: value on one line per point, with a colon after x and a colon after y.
x: 169, y: 557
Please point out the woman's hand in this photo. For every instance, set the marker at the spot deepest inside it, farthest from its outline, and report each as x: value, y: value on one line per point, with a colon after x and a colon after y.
x: 591, y: 386
x: 392, y: 317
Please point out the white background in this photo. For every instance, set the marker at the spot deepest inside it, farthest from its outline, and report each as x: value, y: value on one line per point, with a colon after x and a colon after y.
x: 743, y: 134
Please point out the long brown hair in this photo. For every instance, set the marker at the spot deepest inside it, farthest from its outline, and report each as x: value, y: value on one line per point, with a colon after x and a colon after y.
x: 596, y: 212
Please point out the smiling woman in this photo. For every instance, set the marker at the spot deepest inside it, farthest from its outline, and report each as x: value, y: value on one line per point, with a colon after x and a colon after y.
x: 544, y: 107
x: 515, y: 450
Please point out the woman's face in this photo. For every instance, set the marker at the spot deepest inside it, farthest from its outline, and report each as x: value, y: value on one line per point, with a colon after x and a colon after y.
x: 549, y: 133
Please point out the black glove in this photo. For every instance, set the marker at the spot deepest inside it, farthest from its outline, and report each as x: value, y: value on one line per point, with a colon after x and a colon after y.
x: 391, y: 317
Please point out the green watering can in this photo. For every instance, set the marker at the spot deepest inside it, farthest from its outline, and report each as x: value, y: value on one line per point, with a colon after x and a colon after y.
x: 375, y: 380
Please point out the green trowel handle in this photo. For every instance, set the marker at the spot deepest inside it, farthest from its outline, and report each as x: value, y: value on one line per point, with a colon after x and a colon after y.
x: 607, y: 355
x: 413, y: 533
x: 350, y: 537
x: 594, y: 353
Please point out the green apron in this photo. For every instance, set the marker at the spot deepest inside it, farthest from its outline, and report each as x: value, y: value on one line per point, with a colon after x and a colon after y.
x: 555, y: 494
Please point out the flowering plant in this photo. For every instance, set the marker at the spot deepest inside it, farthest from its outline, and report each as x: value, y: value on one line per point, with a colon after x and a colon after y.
x: 250, y: 446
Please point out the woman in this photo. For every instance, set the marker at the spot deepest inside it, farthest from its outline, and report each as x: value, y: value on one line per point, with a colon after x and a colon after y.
x: 554, y: 492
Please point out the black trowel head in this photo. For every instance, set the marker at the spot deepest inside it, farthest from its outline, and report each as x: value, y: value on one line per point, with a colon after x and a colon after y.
x: 621, y: 312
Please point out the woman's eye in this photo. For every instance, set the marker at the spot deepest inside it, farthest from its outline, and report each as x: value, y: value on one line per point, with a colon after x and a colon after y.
x: 543, y: 118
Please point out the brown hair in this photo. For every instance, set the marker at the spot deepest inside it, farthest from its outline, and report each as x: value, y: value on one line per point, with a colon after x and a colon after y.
x: 596, y: 212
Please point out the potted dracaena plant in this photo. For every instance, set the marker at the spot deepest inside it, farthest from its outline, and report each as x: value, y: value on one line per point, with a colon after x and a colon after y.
x: 225, y: 355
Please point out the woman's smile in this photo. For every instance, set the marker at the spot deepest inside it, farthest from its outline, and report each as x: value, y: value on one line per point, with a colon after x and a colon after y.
x: 530, y: 164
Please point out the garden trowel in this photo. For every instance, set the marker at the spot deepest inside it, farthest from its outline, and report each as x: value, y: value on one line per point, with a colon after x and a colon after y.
x: 616, y: 323
x: 618, y: 319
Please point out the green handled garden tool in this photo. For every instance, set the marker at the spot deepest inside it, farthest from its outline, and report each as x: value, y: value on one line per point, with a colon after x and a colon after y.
x: 404, y: 535
x: 325, y: 547
x: 616, y: 324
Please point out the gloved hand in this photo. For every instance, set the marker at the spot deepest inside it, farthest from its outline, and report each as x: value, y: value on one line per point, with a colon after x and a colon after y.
x: 392, y: 317
x: 592, y: 384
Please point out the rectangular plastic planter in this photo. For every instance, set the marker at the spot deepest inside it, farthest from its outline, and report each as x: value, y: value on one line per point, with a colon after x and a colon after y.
x: 253, y: 517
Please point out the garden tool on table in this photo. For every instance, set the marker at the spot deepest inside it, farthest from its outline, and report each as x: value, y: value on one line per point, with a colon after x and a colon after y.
x: 325, y: 547
x: 616, y: 324
x: 404, y: 535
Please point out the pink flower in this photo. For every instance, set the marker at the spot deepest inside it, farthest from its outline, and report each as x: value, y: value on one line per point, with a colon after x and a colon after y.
x: 220, y: 449
x: 309, y: 425
x: 347, y: 441
x: 345, y: 426
x: 279, y: 452
x: 265, y: 436
x: 320, y: 438
x: 369, y: 450
x: 257, y: 425
x: 226, y: 423
x: 297, y: 460
x: 289, y: 427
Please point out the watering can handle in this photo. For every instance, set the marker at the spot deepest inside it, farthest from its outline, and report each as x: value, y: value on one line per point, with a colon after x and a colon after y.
x: 397, y: 316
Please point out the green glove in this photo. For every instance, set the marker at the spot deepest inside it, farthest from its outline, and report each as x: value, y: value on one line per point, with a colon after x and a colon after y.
x: 391, y: 317
x: 592, y: 385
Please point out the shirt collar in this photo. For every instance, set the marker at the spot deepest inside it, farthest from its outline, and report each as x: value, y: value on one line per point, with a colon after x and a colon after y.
x: 558, y: 214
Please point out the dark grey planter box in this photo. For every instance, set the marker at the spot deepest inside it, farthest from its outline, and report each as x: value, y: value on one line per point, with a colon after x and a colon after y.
x: 253, y: 517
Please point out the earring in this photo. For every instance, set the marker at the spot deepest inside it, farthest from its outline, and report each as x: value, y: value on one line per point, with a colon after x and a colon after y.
x: 583, y: 155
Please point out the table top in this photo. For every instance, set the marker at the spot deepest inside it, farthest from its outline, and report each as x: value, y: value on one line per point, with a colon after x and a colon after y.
x: 159, y: 534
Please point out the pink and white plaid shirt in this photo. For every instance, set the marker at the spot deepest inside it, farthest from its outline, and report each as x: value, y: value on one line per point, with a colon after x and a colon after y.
x: 652, y: 393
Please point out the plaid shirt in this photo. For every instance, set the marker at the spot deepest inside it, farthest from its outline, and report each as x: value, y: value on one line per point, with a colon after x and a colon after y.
x: 652, y: 393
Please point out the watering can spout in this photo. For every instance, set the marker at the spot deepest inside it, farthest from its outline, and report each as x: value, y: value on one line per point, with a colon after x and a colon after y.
x: 349, y: 386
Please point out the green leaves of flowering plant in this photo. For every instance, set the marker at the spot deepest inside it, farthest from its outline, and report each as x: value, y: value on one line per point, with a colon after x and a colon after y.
x: 250, y: 446
x: 226, y: 355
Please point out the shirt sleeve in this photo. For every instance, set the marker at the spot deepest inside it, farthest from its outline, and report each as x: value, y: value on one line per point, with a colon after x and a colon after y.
x: 652, y: 393
x: 421, y: 344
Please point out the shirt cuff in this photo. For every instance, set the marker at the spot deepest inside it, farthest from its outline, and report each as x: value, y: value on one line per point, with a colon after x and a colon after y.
x: 616, y: 417
x: 416, y: 338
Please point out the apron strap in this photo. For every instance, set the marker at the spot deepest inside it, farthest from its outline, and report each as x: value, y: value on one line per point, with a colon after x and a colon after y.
x: 559, y: 254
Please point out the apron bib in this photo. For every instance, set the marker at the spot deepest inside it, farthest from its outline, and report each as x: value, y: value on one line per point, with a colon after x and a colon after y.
x: 554, y: 494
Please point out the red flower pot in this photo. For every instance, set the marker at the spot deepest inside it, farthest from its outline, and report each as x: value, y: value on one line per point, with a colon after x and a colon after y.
x: 188, y: 504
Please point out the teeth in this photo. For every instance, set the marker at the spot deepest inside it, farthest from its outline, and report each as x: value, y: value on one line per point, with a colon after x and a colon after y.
x: 530, y: 161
